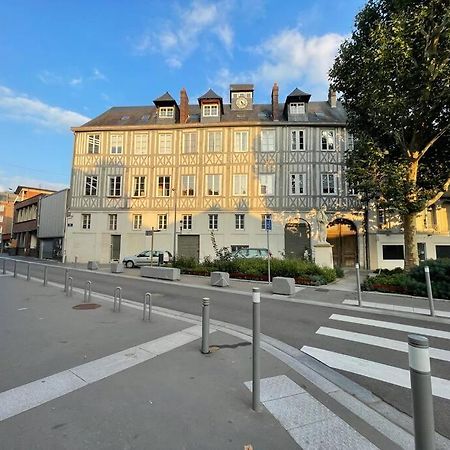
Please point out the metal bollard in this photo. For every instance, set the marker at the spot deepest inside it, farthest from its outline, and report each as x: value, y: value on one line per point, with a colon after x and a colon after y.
x: 256, y: 346
x: 45, y: 276
x: 148, y: 297
x: 66, y: 276
x: 429, y: 290
x: 117, y: 296
x: 87, y: 289
x: 358, y: 284
x: 76, y: 261
x: 205, y: 326
x: 28, y: 272
x: 4, y: 266
x: 69, y: 291
x: 15, y: 269
x: 422, y: 397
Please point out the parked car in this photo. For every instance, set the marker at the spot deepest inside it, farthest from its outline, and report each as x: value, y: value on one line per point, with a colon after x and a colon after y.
x: 251, y: 253
x: 144, y: 259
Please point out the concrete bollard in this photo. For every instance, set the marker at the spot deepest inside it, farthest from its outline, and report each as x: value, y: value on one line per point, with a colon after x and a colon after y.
x: 429, y: 290
x: 15, y: 269
x: 422, y: 397
x: 256, y: 299
x: 45, y: 280
x: 28, y: 272
x: 205, y: 326
x: 4, y: 266
x: 87, y: 292
x: 358, y: 284
x: 147, y: 299
x: 117, y: 299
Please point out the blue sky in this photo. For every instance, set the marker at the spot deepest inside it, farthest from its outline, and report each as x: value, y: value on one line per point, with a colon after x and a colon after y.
x: 66, y: 62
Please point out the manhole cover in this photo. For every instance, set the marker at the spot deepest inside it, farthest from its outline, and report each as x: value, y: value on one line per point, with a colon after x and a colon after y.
x: 86, y: 306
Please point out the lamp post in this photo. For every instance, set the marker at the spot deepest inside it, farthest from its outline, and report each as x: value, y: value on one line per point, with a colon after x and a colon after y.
x: 174, y: 225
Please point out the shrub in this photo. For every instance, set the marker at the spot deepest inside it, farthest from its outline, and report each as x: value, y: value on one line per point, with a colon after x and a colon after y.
x: 339, y: 272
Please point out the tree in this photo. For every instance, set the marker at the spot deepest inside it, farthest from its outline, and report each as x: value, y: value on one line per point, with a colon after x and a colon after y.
x: 394, y: 77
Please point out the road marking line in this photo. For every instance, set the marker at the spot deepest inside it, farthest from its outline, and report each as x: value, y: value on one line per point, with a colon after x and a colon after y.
x: 21, y: 309
x: 374, y: 370
x: 392, y: 326
x: 401, y: 308
x: 28, y: 396
x: 435, y: 353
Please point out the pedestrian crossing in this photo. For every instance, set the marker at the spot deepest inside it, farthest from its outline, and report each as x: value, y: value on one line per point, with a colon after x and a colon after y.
x: 370, y: 350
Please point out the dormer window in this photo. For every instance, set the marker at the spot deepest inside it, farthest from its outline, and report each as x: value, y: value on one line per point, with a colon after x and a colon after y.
x: 211, y: 110
x: 166, y: 112
x: 297, y: 108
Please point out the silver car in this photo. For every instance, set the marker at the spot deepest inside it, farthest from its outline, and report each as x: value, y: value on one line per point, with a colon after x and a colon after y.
x: 262, y: 253
x: 144, y: 258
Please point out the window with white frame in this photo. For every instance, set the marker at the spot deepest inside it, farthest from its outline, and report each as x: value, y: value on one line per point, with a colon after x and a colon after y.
x: 139, y: 186
x: 140, y: 144
x: 350, y: 142
x: 213, y: 221
x: 188, y: 185
x: 190, y: 142
x: 264, y: 219
x: 297, y: 108
x: 211, y: 110
x: 165, y: 143
x: 329, y: 185
x: 162, y: 221
x: 266, y: 184
x: 90, y: 185
x: 116, y: 144
x: 166, y: 112
x: 241, y: 141
x: 297, y: 183
x: 214, y: 141
x: 164, y: 186
x: 93, y: 143
x: 112, y: 222
x: 186, y: 222
x: 213, y: 183
x: 297, y: 140
x: 327, y: 140
x: 86, y: 221
x: 137, y: 222
x: 239, y: 221
x: 115, y: 186
x: 240, y: 183
x: 267, y: 140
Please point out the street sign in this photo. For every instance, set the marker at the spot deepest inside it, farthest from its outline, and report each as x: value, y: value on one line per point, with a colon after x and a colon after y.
x: 268, y: 224
x: 150, y: 232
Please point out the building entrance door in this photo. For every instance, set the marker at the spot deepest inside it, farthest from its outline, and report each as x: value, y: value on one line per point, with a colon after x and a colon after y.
x: 342, y: 235
x: 115, y: 247
x: 297, y: 240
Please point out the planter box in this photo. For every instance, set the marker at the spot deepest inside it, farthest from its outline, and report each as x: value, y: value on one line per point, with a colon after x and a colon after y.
x: 163, y: 273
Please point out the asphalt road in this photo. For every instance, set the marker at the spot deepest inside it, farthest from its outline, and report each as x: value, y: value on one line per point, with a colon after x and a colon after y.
x: 296, y: 324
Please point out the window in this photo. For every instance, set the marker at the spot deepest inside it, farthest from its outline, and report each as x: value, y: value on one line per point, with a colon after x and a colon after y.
x: 328, y: 183
x: 187, y: 222
x: 351, y: 142
x: 112, y: 222
x: 86, y: 221
x: 140, y: 144
x: 115, y: 185
x: 268, y: 140
x: 240, y: 184
x: 297, y: 108
x: 116, y: 144
x: 393, y: 252
x: 213, y: 184
x: 213, y: 221
x: 165, y: 143
x: 239, y: 221
x: 93, y: 143
x: 297, y: 184
x: 190, y: 142
x: 297, y: 140
x: 241, y: 141
x: 162, y: 221
x: 210, y: 110
x: 214, y: 141
x: 90, y: 185
x: 139, y: 187
x: 264, y: 218
x: 166, y: 112
x: 188, y: 185
x: 327, y: 140
x: 381, y: 218
x: 137, y: 221
x: 442, y: 251
x: 266, y: 184
x: 164, y: 186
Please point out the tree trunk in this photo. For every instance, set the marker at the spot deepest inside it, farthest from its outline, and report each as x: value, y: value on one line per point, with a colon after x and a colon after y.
x: 409, y: 232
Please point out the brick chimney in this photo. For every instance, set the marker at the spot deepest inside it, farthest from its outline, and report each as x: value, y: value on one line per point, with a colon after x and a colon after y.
x: 275, y: 101
x: 184, y: 106
x: 332, y: 97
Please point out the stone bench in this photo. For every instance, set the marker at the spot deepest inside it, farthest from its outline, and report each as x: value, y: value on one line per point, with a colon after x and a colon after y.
x: 116, y: 267
x: 164, y: 273
x: 221, y: 279
x: 283, y: 285
x: 92, y: 265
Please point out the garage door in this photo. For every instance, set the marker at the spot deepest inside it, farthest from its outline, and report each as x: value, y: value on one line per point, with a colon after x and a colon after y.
x: 189, y: 246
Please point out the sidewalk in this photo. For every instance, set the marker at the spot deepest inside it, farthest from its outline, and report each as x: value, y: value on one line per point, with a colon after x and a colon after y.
x: 97, y: 379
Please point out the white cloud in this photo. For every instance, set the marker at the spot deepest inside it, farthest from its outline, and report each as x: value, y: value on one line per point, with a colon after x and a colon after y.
x: 76, y: 81
x: 48, y: 77
x: 12, y: 182
x: 97, y: 75
x: 22, y: 108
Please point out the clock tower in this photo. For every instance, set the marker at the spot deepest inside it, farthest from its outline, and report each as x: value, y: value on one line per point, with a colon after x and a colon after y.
x: 241, y: 97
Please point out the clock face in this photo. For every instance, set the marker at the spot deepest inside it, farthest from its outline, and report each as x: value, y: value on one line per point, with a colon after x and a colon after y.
x: 241, y: 102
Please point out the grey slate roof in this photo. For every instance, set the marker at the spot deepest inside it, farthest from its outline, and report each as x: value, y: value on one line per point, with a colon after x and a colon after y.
x: 210, y: 95
x: 241, y: 87
x: 165, y: 98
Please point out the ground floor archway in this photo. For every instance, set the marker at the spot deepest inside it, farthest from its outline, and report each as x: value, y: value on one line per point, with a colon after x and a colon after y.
x: 297, y: 239
x: 342, y: 234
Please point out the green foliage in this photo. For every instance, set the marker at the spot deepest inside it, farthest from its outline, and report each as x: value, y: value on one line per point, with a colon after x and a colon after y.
x: 339, y: 272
